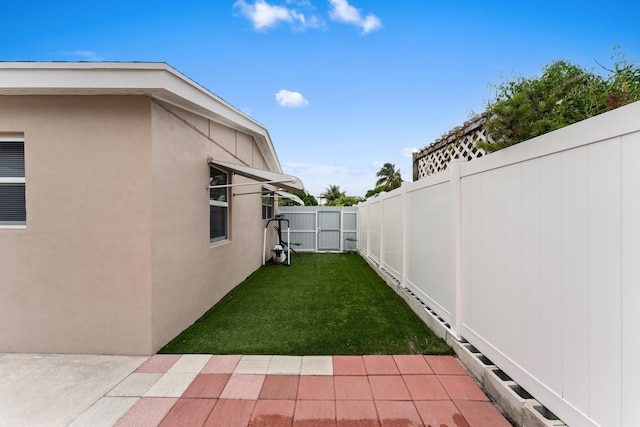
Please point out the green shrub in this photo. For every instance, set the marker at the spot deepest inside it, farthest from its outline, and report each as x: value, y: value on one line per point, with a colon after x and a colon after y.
x: 564, y: 94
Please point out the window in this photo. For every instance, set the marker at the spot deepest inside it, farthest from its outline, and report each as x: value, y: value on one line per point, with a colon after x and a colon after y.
x: 13, y: 210
x: 267, y: 204
x: 218, y: 206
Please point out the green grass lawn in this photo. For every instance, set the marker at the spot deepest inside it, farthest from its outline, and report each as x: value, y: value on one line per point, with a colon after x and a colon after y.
x: 323, y: 304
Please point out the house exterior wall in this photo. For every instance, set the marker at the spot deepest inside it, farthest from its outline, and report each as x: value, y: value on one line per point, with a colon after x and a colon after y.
x: 77, y: 279
x: 189, y: 273
x: 115, y: 257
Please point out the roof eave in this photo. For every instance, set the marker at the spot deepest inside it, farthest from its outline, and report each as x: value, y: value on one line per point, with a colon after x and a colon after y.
x: 157, y: 80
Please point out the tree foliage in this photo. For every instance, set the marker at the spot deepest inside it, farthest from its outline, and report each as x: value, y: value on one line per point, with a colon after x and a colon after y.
x: 331, y: 194
x: 346, y: 201
x: 373, y: 192
x: 564, y: 94
x: 388, y: 179
x: 308, y: 200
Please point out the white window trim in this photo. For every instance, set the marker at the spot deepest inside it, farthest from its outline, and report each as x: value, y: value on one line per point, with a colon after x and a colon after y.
x: 223, y: 204
x: 267, y: 194
x: 13, y: 180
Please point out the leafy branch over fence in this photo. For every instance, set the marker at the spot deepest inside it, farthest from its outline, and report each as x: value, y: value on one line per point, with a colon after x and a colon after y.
x: 524, y: 108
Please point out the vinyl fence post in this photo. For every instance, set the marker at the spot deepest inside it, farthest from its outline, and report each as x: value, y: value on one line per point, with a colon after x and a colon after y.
x: 456, y: 216
x: 405, y: 239
x: 381, y: 239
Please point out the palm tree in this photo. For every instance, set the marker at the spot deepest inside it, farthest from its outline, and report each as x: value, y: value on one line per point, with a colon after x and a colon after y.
x: 389, y: 177
x: 332, y: 193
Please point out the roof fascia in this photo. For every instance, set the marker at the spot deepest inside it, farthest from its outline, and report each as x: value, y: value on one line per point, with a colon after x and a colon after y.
x: 157, y: 80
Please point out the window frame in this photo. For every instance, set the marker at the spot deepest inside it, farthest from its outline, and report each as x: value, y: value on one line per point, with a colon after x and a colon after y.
x: 217, y: 202
x: 268, y: 207
x: 15, y: 181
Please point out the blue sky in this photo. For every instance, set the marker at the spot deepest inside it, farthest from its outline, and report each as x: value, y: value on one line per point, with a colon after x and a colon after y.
x: 342, y: 85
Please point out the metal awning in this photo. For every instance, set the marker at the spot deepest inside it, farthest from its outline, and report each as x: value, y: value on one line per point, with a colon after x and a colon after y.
x: 290, y: 196
x: 286, y: 182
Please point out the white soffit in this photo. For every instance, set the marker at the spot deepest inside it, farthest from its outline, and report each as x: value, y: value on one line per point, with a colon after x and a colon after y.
x: 157, y: 80
x: 287, y: 182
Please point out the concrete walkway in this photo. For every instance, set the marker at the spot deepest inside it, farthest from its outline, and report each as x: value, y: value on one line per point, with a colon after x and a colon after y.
x: 198, y: 390
x: 53, y: 390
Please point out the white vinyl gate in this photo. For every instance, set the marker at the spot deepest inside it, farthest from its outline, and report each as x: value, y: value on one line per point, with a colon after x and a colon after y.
x: 321, y: 228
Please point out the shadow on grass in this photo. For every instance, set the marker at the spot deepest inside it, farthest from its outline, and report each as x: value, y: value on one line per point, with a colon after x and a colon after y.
x: 323, y: 304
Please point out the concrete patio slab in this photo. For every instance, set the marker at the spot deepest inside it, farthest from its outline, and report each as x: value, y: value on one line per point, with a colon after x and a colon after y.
x: 285, y: 365
x: 105, y: 412
x: 171, y: 384
x: 253, y: 365
x: 316, y: 365
x: 190, y: 363
x: 135, y: 384
x: 54, y: 390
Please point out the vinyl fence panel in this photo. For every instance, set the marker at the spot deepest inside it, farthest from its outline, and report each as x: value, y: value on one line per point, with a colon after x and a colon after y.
x: 532, y: 255
x: 430, y: 247
x: 392, y: 211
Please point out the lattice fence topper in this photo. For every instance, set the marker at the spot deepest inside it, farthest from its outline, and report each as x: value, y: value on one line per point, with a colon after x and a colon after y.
x: 459, y: 143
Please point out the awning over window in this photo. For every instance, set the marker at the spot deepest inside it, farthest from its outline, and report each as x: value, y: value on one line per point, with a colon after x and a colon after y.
x: 290, y: 196
x: 286, y: 182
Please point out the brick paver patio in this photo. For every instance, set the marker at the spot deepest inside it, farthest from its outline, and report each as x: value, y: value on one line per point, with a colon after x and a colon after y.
x: 205, y: 390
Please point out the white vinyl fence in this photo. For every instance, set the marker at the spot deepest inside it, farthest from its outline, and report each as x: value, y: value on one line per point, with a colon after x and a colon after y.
x: 321, y: 228
x: 532, y: 254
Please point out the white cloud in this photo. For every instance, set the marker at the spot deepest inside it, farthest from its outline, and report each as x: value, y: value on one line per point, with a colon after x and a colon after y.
x: 377, y: 164
x: 290, y: 99
x: 342, y: 11
x: 370, y: 23
x: 264, y: 15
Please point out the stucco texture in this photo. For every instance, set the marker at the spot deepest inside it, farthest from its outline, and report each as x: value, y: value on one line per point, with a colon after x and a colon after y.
x: 115, y: 257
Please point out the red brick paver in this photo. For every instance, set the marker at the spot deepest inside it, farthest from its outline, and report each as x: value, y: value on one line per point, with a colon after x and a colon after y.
x: 315, y: 413
x: 352, y: 388
x: 357, y: 391
x: 148, y: 411
x: 481, y: 414
x: 273, y: 413
x: 460, y: 387
x: 283, y: 387
x: 380, y: 365
x: 440, y: 413
x: 231, y: 413
x: 388, y: 387
x: 444, y: 365
x: 412, y: 364
x: 221, y: 364
x: 316, y: 388
x: 189, y: 412
x: 158, y: 363
x: 425, y: 387
x: 243, y: 387
x: 206, y: 386
x: 348, y: 365
x: 398, y: 414
x: 357, y: 413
